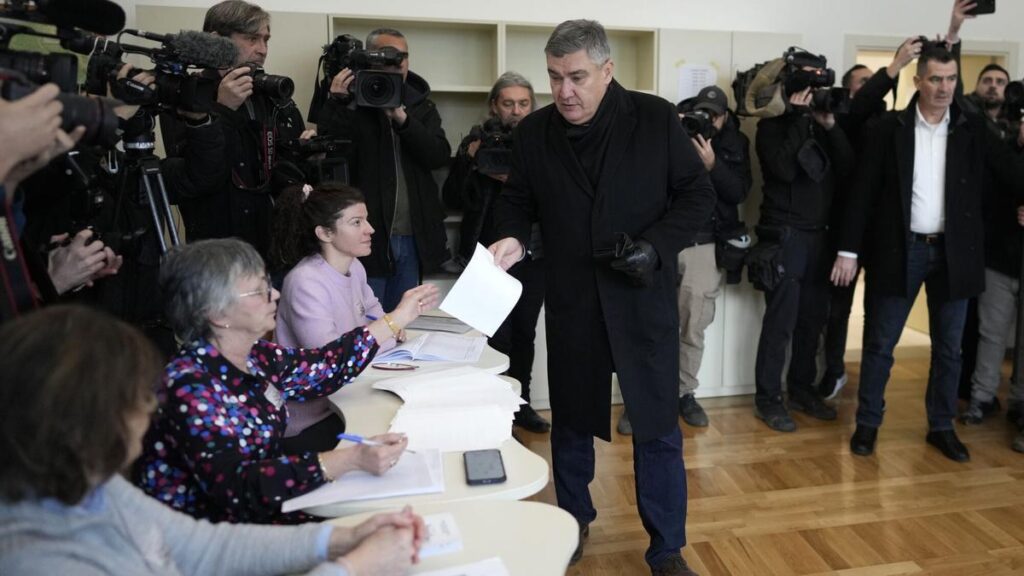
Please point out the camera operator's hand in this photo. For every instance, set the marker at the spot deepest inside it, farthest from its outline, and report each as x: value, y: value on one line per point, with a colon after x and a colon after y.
x: 308, y: 134
x: 235, y: 88
x: 61, y: 143
x: 341, y: 81
x: 956, y: 20
x: 801, y: 99
x: 472, y: 147
x: 827, y: 120
x: 905, y: 54
x: 397, y: 115
x: 843, y: 271
x: 705, y: 151
x: 1020, y: 215
x: 28, y: 127
x: 79, y: 263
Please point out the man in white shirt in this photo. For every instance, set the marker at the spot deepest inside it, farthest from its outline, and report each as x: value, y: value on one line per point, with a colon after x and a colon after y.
x: 915, y: 217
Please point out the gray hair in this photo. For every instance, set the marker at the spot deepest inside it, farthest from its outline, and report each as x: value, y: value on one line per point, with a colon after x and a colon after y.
x: 507, y: 80
x: 235, y: 16
x: 371, y: 38
x: 198, y: 280
x: 575, y: 35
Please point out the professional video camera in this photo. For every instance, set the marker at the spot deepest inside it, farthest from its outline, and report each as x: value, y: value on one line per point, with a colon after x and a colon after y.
x: 1013, y: 107
x: 373, y: 87
x: 835, y: 100
x: 494, y: 156
x: 318, y: 159
x: 764, y: 90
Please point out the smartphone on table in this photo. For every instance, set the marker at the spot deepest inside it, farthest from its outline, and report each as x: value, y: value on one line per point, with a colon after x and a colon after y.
x: 484, y: 467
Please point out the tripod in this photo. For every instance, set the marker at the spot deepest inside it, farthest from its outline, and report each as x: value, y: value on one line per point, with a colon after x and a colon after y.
x: 139, y: 143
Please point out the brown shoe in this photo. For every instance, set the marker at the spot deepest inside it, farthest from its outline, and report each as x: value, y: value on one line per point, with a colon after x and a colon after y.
x: 673, y: 566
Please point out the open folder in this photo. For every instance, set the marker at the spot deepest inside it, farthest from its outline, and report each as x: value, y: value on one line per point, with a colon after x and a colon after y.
x: 437, y: 347
x: 419, y: 473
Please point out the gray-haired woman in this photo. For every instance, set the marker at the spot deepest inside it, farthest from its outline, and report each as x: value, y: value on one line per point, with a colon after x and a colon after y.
x: 214, y: 449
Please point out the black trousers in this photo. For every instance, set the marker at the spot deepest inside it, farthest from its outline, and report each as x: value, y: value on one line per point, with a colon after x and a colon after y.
x: 796, y: 313
x: 515, y: 336
x: 840, y: 304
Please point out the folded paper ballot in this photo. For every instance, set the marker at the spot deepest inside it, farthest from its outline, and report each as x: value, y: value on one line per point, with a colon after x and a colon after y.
x: 453, y: 410
x: 419, y: 473
x: 437, y: 347
x: 484, y: 294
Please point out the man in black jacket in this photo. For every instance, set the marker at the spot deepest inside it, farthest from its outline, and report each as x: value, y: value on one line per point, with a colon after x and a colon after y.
x: 394, y: 151
x: 916, y: 218
x: 253, y: 125
x: 804, y: 155
x: 473, y: 188
x: 619, y: 190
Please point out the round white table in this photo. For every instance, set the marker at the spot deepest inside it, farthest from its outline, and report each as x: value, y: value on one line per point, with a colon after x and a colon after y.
x: 532, y: 538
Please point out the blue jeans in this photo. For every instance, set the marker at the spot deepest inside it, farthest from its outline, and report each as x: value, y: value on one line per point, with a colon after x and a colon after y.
x: 389, y: 289
x: 660, y: 485
x: 885, y: 318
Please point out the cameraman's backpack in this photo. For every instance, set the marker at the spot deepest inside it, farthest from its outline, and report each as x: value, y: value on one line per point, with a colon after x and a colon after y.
x: 758, y: 91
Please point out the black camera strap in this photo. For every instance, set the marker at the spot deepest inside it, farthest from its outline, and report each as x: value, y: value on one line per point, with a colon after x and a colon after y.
x: 17, y: 294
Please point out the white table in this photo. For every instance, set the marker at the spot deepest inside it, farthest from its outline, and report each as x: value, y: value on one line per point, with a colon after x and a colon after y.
x: 532, y: 538
x: 369, y: 411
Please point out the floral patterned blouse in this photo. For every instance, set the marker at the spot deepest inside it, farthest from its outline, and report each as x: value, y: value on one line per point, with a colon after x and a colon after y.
x: 213, y: 449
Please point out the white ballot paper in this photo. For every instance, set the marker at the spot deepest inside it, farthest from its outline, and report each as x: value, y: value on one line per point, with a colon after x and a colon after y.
x: 419, y: 473
x: 438, y: 347
x: 443, y: 536
x: 484, y: 294
x: 490, y: 567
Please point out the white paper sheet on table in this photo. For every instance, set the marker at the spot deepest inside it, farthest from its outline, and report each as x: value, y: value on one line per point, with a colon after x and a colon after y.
x: 437, y: 347
x: 454, y: 429
x: 419, y: 473
x: 484, y: 294
x: 490, y: 567
x: 453, y: 387
x: 443, y: 535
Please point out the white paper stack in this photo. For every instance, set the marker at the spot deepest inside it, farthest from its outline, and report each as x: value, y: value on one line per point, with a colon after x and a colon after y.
x: 437, y: 347
x: 453, y: 410
x: 419, y: 473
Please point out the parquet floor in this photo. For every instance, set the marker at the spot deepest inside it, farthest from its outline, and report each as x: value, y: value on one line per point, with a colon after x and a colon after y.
x: 765, y: 503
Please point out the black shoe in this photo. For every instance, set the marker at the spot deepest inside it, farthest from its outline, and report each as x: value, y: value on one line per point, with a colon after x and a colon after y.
x: 863, y: 441
x: 528, y: 419
x: 950, y: 446
x: 673, y: 566
x: 1015, y: 414
x: 584, y: 535
x: 776, y: 417
x: 990, y: 408
x: 692, y: 412
x: 624, y: 427
x: 812, y: 406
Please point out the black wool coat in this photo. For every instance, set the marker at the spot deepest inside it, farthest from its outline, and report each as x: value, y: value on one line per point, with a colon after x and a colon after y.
x: 653, y: 186
x: 877, y: 224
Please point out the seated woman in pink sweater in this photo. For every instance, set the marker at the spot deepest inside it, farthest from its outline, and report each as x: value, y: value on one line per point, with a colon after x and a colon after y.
x: 320, y: 233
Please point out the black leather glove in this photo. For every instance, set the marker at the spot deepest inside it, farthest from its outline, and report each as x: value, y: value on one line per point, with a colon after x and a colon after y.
x: 636, y: 260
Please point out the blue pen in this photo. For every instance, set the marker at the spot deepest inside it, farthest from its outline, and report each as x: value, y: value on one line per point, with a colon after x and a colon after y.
x: 372, y: 318
x: 360, y: 440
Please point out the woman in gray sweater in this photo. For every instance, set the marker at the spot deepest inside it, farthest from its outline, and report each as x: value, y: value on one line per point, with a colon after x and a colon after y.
x: 75, y: 400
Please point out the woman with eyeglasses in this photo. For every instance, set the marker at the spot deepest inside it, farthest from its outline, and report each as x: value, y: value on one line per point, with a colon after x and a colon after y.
x: 215, y: 447
x: 320, y: 232
x: 75, y: 401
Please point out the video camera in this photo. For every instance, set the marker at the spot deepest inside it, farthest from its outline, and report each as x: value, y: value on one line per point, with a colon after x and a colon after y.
x: 318, y: 159
x: 494, y: 156
x: 372, y: 87
x: 764, y: 90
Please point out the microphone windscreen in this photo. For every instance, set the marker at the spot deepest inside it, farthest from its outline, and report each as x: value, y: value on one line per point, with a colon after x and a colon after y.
x: 99, y: 16
x: 204, y: 50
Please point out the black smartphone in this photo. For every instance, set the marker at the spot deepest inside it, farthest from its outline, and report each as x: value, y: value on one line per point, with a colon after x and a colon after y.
x: 983, y: 7
x: 484, y: 467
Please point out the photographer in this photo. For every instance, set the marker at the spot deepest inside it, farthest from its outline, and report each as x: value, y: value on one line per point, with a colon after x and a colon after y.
x: 253, y: 122
x: 804, y: 154
x: 474, y: 187
x: 394, y: 151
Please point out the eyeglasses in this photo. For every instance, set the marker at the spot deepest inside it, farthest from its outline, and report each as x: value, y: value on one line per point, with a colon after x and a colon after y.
x: 269, y: 291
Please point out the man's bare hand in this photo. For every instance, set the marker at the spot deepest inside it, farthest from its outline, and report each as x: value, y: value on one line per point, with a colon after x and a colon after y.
x: 235, y: 88
x: 956, y: 19
x: 341, y: 82
x: 507, y: 252
x: 80, y: 262
x: 705, y: 151
x: 843, y: 271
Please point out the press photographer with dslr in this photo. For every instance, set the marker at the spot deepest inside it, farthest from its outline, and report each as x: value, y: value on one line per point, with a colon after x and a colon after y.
x: 397, y: 141
x: 474, y: 181
x: 256, y: 113
x: 804, y: 154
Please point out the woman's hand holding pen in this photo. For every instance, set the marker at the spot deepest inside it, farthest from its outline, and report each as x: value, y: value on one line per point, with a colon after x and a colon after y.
x: 376, y: 459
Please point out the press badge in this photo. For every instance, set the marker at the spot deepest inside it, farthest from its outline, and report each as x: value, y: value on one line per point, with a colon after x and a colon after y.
x: 274, y: 396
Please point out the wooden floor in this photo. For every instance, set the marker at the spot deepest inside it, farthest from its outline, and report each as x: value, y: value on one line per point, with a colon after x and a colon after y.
x: 767, y: 503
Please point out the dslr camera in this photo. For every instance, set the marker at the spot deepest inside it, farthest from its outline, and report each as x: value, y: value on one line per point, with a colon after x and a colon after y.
x: 494, y: 156
x: 373, y: 86
x: 270, y: 85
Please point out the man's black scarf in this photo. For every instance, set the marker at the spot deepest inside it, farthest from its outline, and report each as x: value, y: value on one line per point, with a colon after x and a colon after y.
x: 590, y: 141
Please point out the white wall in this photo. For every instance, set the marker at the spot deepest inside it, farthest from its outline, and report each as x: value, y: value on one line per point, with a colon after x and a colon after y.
x: 823, y: 23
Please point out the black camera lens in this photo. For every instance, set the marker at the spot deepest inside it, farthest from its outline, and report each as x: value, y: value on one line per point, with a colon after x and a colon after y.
x: 698, y: 122
x: 273, y: 86
x: 101, y: 124
x: 378, y: 89
x: 61, y: 69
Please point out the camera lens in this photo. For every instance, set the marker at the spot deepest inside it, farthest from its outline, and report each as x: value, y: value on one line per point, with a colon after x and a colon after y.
x: 278, y: 87
x: 61, y: 69
x: 101, y: 124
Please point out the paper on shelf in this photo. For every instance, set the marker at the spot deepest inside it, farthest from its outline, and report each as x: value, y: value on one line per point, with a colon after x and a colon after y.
x: 484, y: 294
x: 419, y: 473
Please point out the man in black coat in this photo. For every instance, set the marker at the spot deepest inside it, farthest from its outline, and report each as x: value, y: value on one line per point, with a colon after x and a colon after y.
x: 916, y: 218
x: 601, y: 164
x: 394, y: 151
